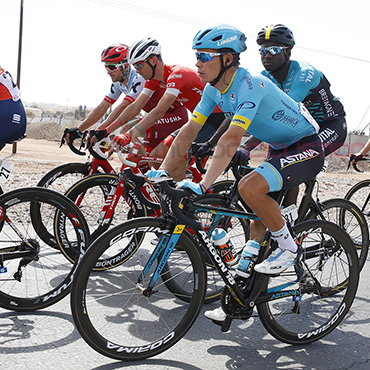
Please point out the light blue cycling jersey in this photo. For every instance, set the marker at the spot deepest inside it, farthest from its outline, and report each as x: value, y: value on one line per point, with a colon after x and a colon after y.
x: 254, y: 103
x: 304, y: 83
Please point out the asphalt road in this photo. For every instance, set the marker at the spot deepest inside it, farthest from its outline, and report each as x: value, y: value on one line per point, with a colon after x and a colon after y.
x: 47, y: 339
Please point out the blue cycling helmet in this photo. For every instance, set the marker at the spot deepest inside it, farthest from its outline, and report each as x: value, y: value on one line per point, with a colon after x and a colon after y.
x: 220, y: 36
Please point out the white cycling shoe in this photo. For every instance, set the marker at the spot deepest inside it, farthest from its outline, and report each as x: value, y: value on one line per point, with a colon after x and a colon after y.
x: 278, y: 262
x: 217, y: 314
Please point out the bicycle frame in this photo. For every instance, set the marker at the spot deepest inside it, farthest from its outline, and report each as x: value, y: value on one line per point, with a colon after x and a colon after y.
x: 246, y: 294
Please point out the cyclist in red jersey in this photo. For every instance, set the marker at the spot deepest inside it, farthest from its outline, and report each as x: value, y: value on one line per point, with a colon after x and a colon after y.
x: 180, y: 85
x: 125, y: 80
x: 12, y: 115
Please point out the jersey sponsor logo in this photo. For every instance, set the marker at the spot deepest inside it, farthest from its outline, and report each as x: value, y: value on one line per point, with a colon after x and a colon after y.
x: 232, y: 96
x: 175, y: 76
x: 249, y: 82
x: 325, y: 99
x: 135, y: 86
x: 284, y: 118
x: 262, y: 84
x: 247, y: 105
x: 299, y: 157
x: 240, y: 121
x: 199, y: 91
x: 278, y: 115
x: 223, y: 42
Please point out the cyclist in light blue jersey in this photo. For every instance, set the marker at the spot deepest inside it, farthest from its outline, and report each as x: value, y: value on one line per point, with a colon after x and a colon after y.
x: 256, y: 105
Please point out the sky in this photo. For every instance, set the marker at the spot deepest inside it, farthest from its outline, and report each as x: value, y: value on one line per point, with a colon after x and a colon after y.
x: 63, y: 39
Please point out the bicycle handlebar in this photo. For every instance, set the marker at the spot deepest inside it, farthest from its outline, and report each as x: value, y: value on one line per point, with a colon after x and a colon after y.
x: 71, y: 143
x: 354, y: 164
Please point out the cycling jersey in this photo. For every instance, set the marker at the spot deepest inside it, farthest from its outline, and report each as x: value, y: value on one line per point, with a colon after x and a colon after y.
x: 183, y: 82
x: 254, y: 103
x: 135, y: 85
x: 304, y: 83
x: 308, y: 85
x: 8, y: 88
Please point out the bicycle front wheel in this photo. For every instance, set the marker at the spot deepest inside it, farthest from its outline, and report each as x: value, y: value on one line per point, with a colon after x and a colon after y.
x: 349, y: 217
x: 360, y: 195
x: 324, y: 284
x: 42, y: 275
x: 113, y: 310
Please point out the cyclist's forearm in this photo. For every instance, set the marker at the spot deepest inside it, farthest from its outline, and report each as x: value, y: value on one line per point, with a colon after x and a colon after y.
x: 114, y: 115
x: 251, y: 143
x: 127, y: 115
x: 92, y: 118
x: 220, y: 131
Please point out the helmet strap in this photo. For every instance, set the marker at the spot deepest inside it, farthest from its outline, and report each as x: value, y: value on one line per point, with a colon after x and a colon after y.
x: 126, y: 71
x: 222, y: 71
x: 152, y: 67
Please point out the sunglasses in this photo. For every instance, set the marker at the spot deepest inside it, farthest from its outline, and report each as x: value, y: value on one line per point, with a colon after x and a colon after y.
x: 112, y: 67
x: 207, y: 57
x: 273, y: 50
x: 139, y: 66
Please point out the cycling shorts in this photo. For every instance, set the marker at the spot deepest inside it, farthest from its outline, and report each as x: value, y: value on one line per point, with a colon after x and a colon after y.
x: 13, y: 121
x: 291, y: 166
x: 333, y: 133
x: 170, y: 122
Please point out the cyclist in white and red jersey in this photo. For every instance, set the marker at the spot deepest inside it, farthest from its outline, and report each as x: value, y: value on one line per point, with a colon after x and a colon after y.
x: 180, y: 85
x: 126, y: 81
x: 12, y: 115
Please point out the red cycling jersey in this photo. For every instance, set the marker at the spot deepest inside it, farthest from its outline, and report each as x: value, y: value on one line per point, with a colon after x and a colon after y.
x: 183, y: 82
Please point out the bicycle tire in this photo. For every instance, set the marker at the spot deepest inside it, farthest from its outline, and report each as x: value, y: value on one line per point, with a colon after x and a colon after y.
x: 45, y: 277
x: 359, y: 194
x: 111, y: 311
x: 238, y: 232
x: 60, y: 179
x: 94, y: 190
x: 330, y: 272
x: 349, y: 217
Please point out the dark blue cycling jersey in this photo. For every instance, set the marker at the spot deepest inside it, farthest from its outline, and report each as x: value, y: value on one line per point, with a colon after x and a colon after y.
x: 308, y: 85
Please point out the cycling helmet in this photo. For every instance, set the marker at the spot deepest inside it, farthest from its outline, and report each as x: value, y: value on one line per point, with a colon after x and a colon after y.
x: 143, y: 49
x: 276, y: 32
x: 115, y: 54
x: 219, y: 37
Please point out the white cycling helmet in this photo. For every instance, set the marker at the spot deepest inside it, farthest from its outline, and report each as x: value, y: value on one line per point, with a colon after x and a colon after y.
x: 142, y: 50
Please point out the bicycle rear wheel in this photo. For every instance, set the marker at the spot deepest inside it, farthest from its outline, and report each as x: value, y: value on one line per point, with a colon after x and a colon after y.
x: 44, y: 275
x: 112, y: 310
x: 324, y: 285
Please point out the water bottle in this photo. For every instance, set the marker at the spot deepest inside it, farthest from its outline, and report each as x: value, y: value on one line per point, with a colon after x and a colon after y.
x: 224, y: 246
x: 248, y: 258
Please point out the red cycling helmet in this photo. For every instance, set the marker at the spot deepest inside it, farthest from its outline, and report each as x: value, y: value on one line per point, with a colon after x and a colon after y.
x: 115, y: 54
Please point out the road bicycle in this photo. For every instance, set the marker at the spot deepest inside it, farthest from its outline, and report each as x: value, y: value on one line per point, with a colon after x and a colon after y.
x: 136, y: 310
x: 34, y: 274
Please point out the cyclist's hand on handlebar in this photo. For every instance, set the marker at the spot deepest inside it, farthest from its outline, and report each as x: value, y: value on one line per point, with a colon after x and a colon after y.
x: 354, y: 158
x: 156, y: 173
x: 193, y: 186
x: 119, y: 141
x: 201, y: 150
x: 99, y: 134
x: 71, y: 134
x: 241, y: 156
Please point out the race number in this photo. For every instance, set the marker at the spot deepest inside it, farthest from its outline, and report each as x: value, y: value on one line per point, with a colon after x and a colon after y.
x: 5, y: 170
